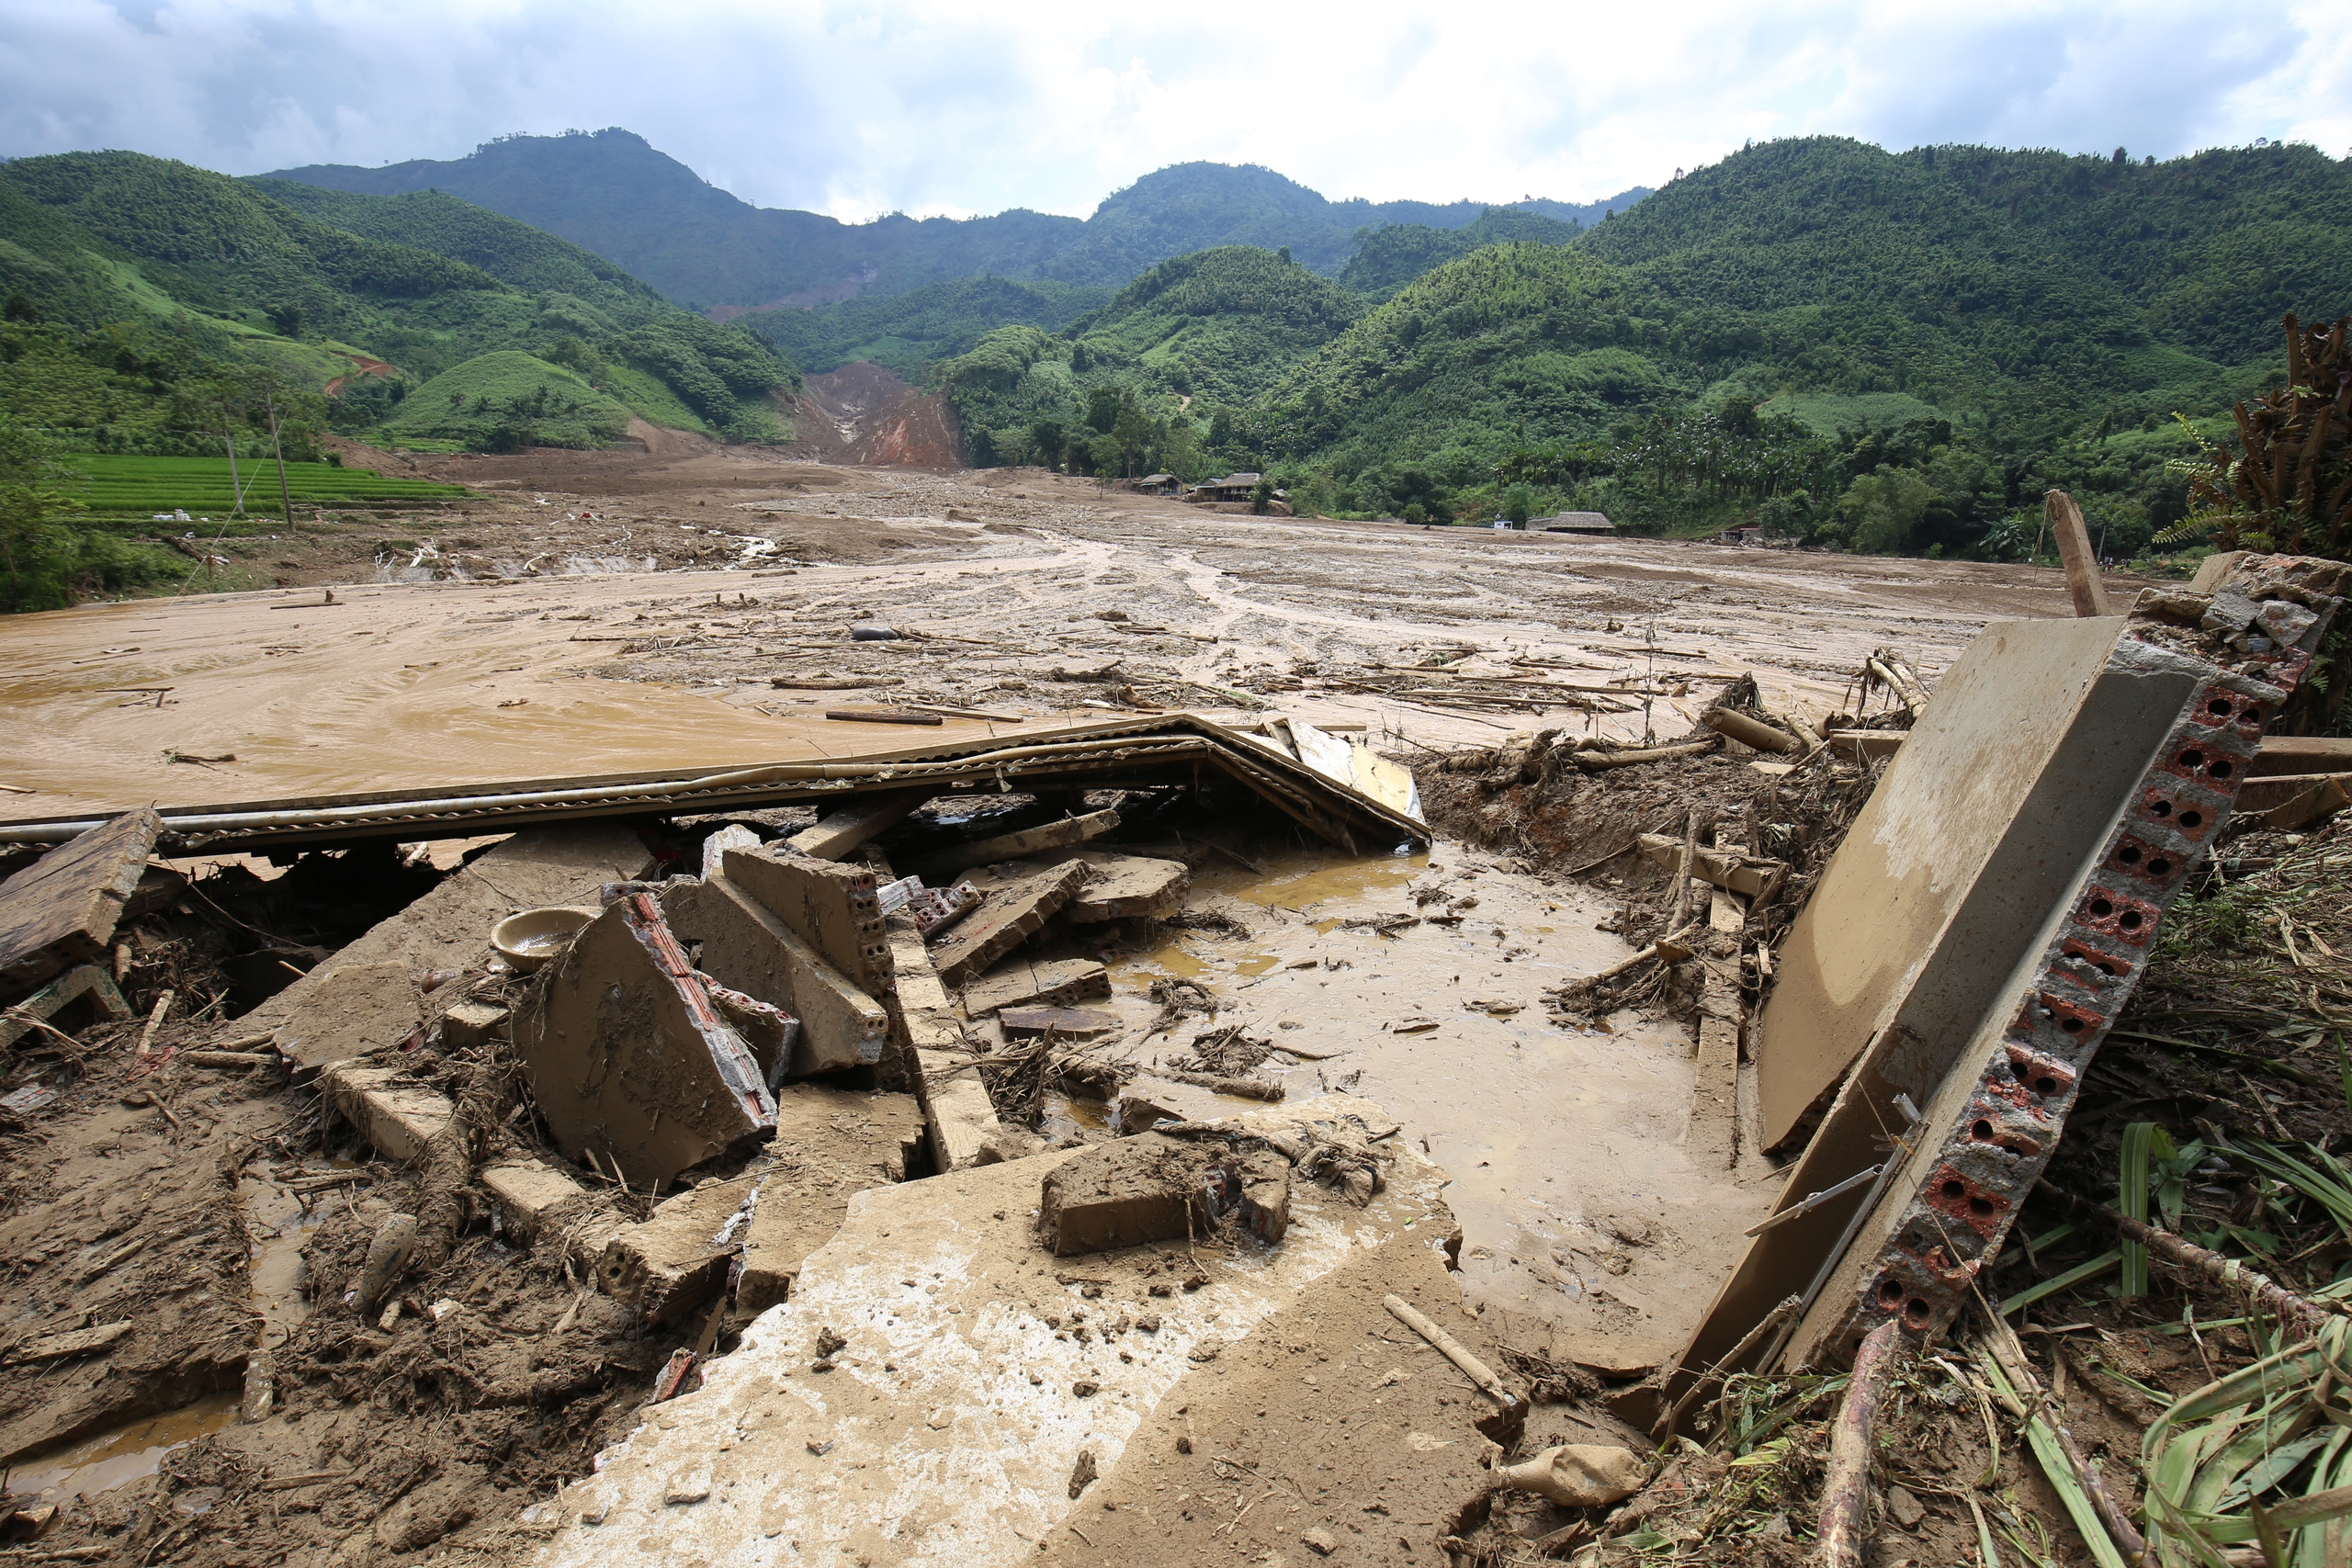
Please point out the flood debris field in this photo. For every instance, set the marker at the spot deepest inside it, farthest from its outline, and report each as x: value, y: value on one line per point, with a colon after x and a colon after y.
x: 1027, y: 595
x: 1370, y: 1045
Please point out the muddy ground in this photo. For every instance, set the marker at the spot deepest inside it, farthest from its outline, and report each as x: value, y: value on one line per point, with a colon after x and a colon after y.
x: 692, y: 605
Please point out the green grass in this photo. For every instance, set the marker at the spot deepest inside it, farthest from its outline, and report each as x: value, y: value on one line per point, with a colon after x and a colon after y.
x: 137, y: 488
x: 540, y: 404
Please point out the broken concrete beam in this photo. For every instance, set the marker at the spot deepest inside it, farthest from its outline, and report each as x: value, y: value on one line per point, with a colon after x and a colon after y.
x: 865, y: 816
x: 841, y: 1142
x: 1019, y: 982
x: 357, y: 1008
x: 734, y: 836
x: 1751, y: 875
x: 2084, y: 584
x: 1980, y: 927
x: 831, y: 908
x: 467, y: 1024
x: 396, y: 1114
x: 1066, y: 1023
x: 629, y: 1058
x: 922, y: 1015
x: 533, y: 1200
x: 449, y: 927
x: 1014, y: 913
x: 1127, y: 887
x: 83, y: 983
x: 1015, y: 846
x: 678, y: 1259
x: 956, y: 1109
x: 61, y: 909
x: 747, y: 948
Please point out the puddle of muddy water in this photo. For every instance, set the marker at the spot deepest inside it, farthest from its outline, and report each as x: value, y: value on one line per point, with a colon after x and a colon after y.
x: 1555, y: 1138
x: 123, y: 1454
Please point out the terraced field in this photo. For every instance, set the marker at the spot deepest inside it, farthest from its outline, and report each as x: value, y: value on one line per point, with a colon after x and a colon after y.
x: 146, y: 488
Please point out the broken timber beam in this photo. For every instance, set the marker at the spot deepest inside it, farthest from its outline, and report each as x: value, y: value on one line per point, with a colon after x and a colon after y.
x: 865, y: 816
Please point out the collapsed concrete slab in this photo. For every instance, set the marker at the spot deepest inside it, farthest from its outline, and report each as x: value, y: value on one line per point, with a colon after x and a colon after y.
x: 958, y: 1114
x: 1021, y: 982
x: 746, y: 947
x: 62, y: 910
x: 357, y: 1010
x: 533, y: 1200
x: 448, y: 928
x: 1152, y: 1188
x: 629, y: 1062
x: 1125, y: 887
x: 831, y: 908
x: 831, y: 1144
x: 946, y: 1430
x: 1016, y: 910
x: 1980, y: 926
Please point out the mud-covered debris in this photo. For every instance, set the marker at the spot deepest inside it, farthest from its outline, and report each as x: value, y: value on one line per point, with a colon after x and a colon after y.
x: 388, y: 1252
x: 1019, y: 982
x: 1067, y: 1024
x: 629, y: 1060
x: 1082, y: 1475
x: 1579, y: 1475
x: 62, y: 910
x: 1151, y: 1187
x: 1015, y: 911
x: 1055, y: 835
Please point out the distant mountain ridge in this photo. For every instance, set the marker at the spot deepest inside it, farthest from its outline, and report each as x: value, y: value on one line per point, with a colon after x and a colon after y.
x: 615, y: 194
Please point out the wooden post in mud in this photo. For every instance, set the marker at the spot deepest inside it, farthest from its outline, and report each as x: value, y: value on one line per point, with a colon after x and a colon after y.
x: 2083, y: 582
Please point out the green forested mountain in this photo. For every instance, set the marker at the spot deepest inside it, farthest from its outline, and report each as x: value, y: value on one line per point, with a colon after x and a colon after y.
x: 613, y: 193
x: 1388, y: 258
x: 905, y: 332
x: 1214, y: 329
x: 1891, y: 351
x: 2212, y: 249
x: 129, y: 277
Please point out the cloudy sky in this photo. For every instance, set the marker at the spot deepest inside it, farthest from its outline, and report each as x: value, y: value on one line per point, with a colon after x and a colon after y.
x: 856, y: 110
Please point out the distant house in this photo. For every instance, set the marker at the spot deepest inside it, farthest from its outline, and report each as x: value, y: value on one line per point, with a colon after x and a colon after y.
x: 1232, y: 487
x: 1749, y: 533
x: 1160, y: 484
x: 1592, y: 522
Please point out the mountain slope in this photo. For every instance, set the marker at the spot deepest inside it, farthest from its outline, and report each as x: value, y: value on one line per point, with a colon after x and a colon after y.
x: 613, y: 193
x: 138, y: 277
x: 903, y: 332
x: 2213, y: 248
x: 1389, y: 257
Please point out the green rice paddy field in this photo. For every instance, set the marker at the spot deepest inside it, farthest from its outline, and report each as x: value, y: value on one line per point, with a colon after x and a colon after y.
x: 126, y: 489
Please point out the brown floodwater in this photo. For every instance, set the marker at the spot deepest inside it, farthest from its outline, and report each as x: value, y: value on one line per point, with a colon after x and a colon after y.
x: 1555, y: 1138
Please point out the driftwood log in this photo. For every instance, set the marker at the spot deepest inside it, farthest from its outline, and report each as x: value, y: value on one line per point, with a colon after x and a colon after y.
x: 1846, y: 1486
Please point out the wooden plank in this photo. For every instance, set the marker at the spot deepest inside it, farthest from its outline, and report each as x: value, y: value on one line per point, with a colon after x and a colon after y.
x: 61, y: 909
x: 1071, y: 1023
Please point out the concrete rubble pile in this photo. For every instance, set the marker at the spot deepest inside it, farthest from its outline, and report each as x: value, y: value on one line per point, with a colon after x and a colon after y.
x: 713, y: 1094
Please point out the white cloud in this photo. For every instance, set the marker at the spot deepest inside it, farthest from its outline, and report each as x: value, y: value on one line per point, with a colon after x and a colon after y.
x: 931, y: 108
